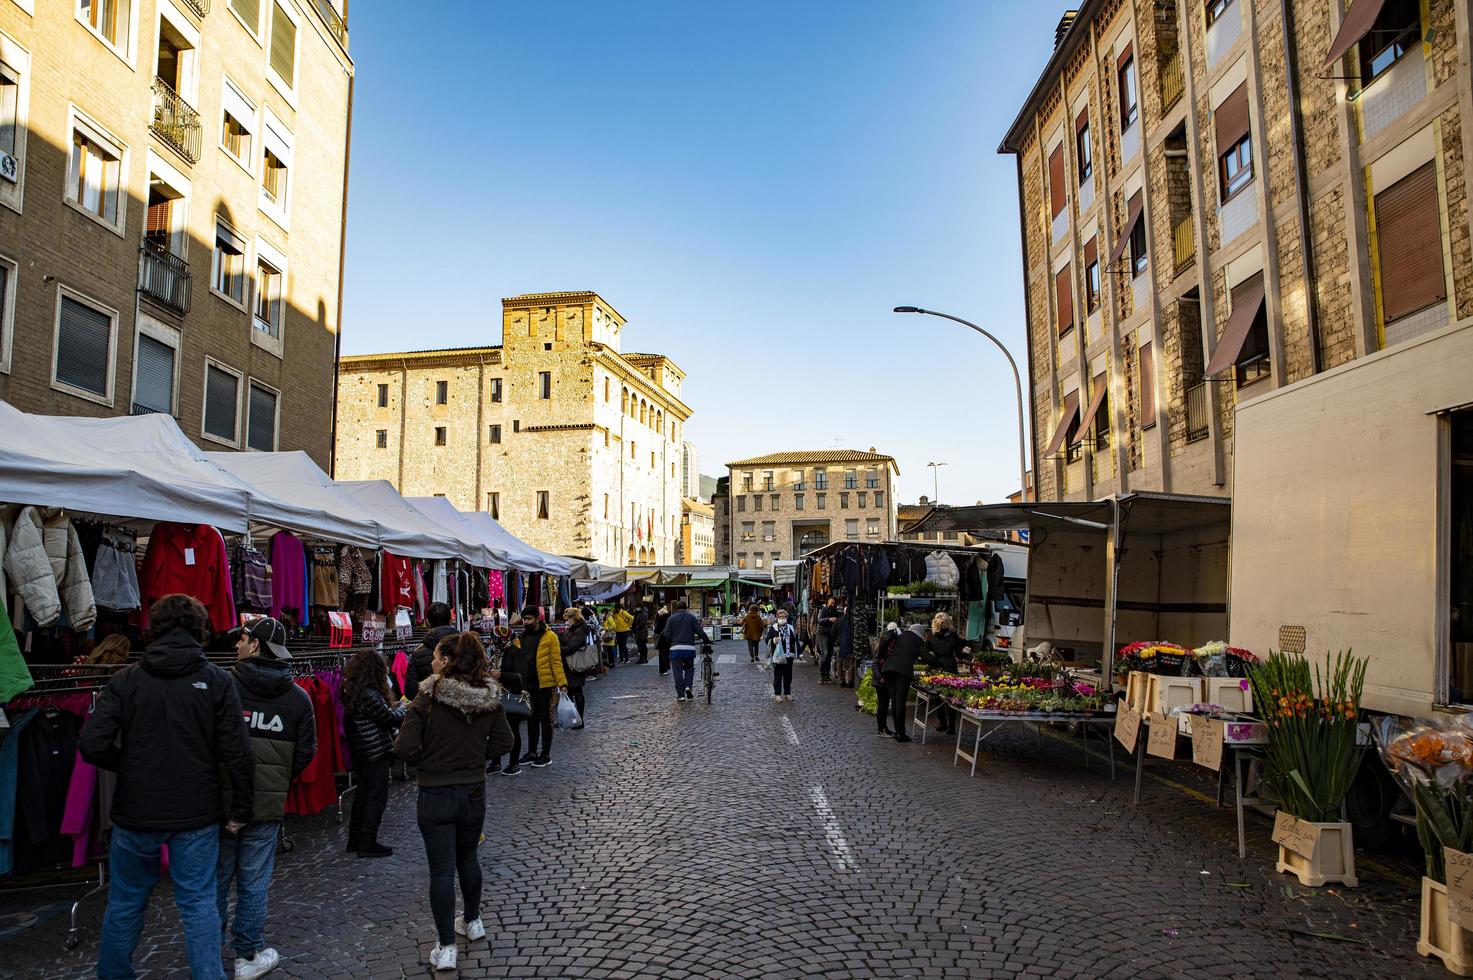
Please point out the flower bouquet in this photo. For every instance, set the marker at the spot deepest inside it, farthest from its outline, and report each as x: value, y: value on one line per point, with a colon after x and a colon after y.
x: 1312, y: 756
x: 1217, y: 659
x: 1153, y: 657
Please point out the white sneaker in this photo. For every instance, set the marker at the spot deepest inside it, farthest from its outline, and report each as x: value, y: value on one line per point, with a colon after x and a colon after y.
x: 787, y: 697
x: 263, y: 963
x: 442, y: 957
x: 471, y: 930
x: 776, y: 698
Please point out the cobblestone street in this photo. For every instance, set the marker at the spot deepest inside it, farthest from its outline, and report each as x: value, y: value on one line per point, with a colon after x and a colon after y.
x: 750, y: 839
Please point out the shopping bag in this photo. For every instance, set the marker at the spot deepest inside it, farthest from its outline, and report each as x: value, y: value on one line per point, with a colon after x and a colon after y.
x: 567, y: 714
x: 585, y: 660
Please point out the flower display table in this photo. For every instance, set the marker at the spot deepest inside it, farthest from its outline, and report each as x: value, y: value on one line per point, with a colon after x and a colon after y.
x: 1093, y: 724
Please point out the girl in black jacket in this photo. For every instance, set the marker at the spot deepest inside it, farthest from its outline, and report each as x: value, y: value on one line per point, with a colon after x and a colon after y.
x: 370, y: 723
x: 574, y: 639
x: 943, y: 647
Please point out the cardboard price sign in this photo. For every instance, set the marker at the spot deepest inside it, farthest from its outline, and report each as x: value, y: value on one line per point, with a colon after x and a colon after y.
x: 1293, y: 834
x: 1459, y: 887
x: 1207, y: 742
x: 373, y: 628
x: 403, y: 626
x: 1162, y: 742
x: 1127, y: 726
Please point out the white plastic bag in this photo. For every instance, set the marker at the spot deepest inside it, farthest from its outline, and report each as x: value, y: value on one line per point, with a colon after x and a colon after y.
x: 567, y: 714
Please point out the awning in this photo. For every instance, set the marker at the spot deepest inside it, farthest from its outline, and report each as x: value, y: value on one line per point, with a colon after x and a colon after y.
x: 1066, y: 418
x: 1150, y: 513
x: 296, y: 495
x: 1357, y: 24
x: 443, y: 512
x: 403, y: 529
x: 1133, y: 214
x: 707, y: 583
x: 519, y: 554
x: 1089, y: 413
x: 1240, y: 322
x: 760, y: 585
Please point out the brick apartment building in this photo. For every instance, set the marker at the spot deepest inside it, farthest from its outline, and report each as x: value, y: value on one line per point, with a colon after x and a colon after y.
x: 172, y: 185
x: 1221, y: 199
x: 784, y: 505
x: 575, y: 447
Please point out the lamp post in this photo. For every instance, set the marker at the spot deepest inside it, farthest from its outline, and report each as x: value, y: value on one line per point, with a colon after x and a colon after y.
x: 1017, y: 384
x: 935, y: 482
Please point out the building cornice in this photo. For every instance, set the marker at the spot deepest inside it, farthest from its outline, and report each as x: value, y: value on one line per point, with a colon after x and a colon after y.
x: 530, y: 301
x: 446, y: 357
x: 1077, y: 35
x: 631, y: 373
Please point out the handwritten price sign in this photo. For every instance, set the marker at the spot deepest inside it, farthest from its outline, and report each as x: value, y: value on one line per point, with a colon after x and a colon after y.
x: 1299, y: 836
x: 1459, y: 887
x: 1162, y: 743
x: 1127, y: 727
x: 1207, y: 742
x: 373, y: 628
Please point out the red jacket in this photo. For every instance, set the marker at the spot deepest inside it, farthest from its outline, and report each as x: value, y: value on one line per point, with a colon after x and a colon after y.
x: 188, y: 558
x: 397, y: 585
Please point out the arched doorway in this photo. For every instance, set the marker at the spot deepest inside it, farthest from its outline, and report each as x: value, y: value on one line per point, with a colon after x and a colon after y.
x: 812, y: 539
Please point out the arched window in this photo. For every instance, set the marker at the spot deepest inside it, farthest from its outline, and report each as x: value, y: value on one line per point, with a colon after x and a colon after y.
x: 631, y: 554
x: 623, y: 400
x: 813, y: 539
x: 643, y: 412
x: 660, y: 422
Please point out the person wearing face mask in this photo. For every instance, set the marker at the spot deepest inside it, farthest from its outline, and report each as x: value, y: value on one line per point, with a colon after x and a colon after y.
x: 544, y: 680
x: 784, y: 640
x: 454, y: 726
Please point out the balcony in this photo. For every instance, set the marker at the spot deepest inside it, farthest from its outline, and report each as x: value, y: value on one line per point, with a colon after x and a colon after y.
x: 165, y: 277
x: 200, y: 7
x: 1184, y: 243
x: 334, y: 20
x: 1196, y: 399
x: 1172, y: 81
x: 175, y: 122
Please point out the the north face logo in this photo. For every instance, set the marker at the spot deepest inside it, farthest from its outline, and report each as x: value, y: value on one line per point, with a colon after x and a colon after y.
x: 260, y: 722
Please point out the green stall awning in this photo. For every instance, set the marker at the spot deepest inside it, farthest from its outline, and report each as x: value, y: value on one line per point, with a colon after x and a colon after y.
x: 708, y: 583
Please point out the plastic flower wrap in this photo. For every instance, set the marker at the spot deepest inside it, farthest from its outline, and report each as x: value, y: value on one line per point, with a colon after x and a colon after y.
x: 1217, y: 659
x: 1154, y: 657
x: 1433, y: 761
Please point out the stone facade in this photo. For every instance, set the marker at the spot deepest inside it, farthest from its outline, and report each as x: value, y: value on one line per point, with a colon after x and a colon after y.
x: 1323, y: 294
x: 784, y: 505
x: 697, y: 544
x: 66, y: 247
x: 721, y: 506
x: 572, y: 445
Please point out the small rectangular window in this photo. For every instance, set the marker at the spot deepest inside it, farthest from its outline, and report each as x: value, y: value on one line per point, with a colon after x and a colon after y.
x: 493, y: 504
x: 238, y: 123
x: 153, y: 376
x: 495, y: 434
x: 1139, y: 258
x: 862, y: 499
x: 261, y: 419
x: 383, y: 396
x: 439, y: 435
x: 222, y: 403
x: 843, y: 501
x: 756, y: 501
x: 9, y: 121
x: 1092, y: 275
x: 544, y: 385
x: 381, y: 438
x: 268, y: 311
x: 283, y: 46
x: 872, y: 527
x: 228, y: 272
x: 1083, y: 149
x: 851, y: 528
x: 95, y: 178
x: 741, y: 505
x: 1129, y: 109
x: 767, y: 480
x: 1409, y: 244
x: 1215, y: 10
x: 820, y: 500
x: 879, y: 498
x: 108, y: 19
x: 542, y: 505
x: 84, y: 348
x: 442, y: 392
x: 250, y: 12
x: 797, y: 501
x: 1397, y: 30
x: 496, y: 389
x: 516, y: 425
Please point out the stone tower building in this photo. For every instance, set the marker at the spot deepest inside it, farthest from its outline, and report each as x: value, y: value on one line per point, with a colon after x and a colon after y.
x: 572, y: 445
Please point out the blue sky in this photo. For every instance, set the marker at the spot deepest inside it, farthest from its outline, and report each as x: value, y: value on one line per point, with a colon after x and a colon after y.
x: 754, y: 185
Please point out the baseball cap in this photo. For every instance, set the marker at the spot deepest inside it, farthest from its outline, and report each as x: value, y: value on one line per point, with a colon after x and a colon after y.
x: 270, y: 634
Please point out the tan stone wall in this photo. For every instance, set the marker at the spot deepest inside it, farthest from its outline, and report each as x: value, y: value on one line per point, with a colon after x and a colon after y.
x: 48, y: 238
x: 788, y: 519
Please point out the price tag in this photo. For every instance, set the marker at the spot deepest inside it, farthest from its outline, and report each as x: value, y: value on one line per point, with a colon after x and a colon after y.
x: 1162, y: 742
x: 1459, y: 887
x: 373, y: 628
x: 189, y: 556
x: 1207, y: 742
x: 403, y: 625
x: 1127, y: 726
x: 1293, y: 834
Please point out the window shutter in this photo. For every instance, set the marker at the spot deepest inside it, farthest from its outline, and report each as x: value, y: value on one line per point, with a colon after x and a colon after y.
x: 250, y: 12
x: 1148, y: 387
x: 1081, y: 121
x: 1124, y: 57
x: 82, y: 345
x: 1056, y: 179
x: 1091, y: 252
x: 157, y: 223
x: 262, y: 420
x: 283, y: 44
x: 153, y: 375
x: 1063, y: 288
x: 1409, y: 240
x: 222, y: 393
x: 1231, y: 119
x: 4, y: 286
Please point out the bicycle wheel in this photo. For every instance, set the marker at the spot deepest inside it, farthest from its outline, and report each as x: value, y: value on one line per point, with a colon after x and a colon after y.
x: 706, y: 676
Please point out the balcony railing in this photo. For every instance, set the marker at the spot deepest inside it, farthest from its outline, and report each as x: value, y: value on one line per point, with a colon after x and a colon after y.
x: 175, y: 121
x: 1196, y: 398
x: 200, y: 7
x: 1184, y: 242
x: 1172, y: 81
x: 335, y: 22
x: 164, y: 276
x: 145, y: 410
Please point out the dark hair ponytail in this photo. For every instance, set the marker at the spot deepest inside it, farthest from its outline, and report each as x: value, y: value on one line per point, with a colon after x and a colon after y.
x: 466, y: 656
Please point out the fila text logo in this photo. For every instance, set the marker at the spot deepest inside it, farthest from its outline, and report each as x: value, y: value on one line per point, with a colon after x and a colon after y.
x: 259, y: 721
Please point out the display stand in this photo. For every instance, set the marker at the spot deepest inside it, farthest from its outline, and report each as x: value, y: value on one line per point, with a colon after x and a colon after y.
x: 1104, y: 722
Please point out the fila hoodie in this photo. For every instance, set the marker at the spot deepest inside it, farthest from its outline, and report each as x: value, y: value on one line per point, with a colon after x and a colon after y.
x: 278, y: 717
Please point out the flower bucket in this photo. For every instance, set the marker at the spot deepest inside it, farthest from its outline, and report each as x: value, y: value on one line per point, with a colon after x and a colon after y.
x: 1230, y: 693
x: 1164, y: 693
x: 1440, y: 936
x: 1331, y: 858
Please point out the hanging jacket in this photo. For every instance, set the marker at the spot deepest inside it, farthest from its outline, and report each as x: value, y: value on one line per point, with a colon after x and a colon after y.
x: 170, y: 726
x: 451, y: 730
x: 46, y: 567
x: 283, y: 732
x: 15, y: 676
x: 942, y: 570
x: 370, y: 725
x: 288, y: 576
x: 189, y: 559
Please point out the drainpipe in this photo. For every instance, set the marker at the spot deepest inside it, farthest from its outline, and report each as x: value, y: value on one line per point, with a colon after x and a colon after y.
x: 1028, y: 334
x: 337, y: 343
x: 1301, y: 181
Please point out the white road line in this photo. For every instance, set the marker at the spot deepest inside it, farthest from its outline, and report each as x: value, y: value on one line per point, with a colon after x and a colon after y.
x: 789, y: 730
x: 832, y: 831
x: 726, y: 658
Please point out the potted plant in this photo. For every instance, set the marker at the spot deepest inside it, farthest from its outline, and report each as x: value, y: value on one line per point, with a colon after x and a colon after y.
x: 1434, y: 763
x: 1311, y: 759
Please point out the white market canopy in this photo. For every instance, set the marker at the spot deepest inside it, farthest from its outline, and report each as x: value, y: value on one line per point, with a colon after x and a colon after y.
x: 443, y: 512
x: 137, y: 467
x: 406, y: 530
x: 519, y: 554
x: 293, y: 493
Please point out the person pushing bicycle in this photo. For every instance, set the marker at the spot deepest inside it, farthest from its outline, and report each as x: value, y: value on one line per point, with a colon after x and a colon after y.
x: 681, y: 631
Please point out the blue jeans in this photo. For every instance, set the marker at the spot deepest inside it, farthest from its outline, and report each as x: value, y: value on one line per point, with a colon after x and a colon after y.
x: 134, y: 856
x: 248, y: 857
x: 684, y: 666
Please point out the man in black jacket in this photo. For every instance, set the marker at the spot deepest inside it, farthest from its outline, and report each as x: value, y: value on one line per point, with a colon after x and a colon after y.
x: 899, y: 671
x: 642, y: 632
x: 169, y: 727
x: 283, y: 733
x: 437, y: 617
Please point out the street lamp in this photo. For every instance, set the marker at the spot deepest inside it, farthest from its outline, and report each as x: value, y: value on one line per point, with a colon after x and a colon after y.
x: 935, y: 482
x: 1017, y: 384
